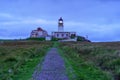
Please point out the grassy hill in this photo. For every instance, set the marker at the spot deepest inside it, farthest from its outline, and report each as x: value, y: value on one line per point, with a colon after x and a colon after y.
x: 19, y: 58
x: 92, y: 61
x: 84, y: 60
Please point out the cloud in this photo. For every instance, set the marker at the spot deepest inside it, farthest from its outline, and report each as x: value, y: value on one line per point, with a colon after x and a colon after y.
x: 109, y: 0
x: 38, y: 21
x: 69, y: 25
x: 28, y: 21
x: 96, y: 32
x: 3, y: 32
x: 5, y: 15
x: 12, y: 33
x: 32, y: 20
x: 99, y: 30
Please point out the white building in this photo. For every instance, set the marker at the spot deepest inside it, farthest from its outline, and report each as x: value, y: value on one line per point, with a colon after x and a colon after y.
x: 39, y: 33
x: 61, y: 33
x: 48, y: 38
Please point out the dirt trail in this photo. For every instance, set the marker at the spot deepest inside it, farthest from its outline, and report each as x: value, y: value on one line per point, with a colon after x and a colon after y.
x: 52, y: 68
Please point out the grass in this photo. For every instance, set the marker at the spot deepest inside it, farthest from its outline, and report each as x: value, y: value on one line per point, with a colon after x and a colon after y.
x: 91, y: 61
x: 83, y: 60
x: 19, y: 59
x: 27, y: 69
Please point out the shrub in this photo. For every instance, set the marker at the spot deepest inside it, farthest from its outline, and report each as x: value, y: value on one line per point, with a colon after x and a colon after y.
x: 55, y: 39
x: 83, y: 39
x: 38, y: 39
x: 10, y: 59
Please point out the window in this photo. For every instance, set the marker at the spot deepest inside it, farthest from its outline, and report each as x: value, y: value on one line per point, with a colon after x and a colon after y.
x: 67, y: 35
x: 57, y: 35
x: 62, y: 35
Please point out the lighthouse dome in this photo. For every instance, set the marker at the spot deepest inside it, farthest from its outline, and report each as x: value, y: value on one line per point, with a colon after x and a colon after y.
x: 60, y: 19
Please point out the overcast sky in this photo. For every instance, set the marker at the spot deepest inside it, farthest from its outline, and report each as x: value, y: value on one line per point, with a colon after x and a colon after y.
x: 99, y: 19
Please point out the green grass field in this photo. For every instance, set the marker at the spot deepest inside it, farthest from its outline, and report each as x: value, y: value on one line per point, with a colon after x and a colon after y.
x: 83, y: 60
x: 19, y: 59
x: 92, y: 61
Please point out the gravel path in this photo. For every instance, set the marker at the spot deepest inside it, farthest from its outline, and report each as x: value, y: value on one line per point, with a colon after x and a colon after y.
x: 52, y: 68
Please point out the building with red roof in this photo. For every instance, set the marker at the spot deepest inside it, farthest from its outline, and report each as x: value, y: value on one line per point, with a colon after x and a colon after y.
x: 39, y: 33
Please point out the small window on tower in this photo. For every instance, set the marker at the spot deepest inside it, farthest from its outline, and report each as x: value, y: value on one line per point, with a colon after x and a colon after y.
x: 62, y: 35
x: 57, y: 35
x: 67, y: 35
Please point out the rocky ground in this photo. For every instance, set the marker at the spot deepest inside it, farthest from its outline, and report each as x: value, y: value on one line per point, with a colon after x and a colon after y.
x: 52, y: 68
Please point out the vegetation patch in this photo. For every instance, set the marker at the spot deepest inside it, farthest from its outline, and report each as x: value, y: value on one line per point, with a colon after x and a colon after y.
x: 83, y: 59
x: 18, y: 61
x: 38, y: 39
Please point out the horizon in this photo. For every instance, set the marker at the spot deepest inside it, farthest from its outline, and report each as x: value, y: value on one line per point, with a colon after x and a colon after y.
x: 99, y: 19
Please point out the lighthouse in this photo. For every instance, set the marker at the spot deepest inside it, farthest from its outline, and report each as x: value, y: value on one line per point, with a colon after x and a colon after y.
x: 61, y: 34
x: 60, y: 25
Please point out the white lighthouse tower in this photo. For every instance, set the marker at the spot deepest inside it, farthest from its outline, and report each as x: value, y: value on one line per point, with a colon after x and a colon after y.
x: 60, y: 25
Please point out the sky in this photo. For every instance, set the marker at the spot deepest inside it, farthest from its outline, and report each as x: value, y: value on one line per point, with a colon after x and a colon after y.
x: 97, y: 19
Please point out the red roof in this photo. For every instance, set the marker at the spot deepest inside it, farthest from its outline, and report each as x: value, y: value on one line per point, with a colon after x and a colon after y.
x: 39, y: 29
